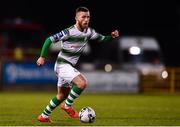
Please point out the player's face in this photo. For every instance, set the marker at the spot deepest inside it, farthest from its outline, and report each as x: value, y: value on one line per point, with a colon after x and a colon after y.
x: 82, y: 19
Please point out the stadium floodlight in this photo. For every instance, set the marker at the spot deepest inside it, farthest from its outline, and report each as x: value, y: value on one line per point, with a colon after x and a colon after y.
x: 134, y: 50
x: 108, y: 67
x: 164, y: 74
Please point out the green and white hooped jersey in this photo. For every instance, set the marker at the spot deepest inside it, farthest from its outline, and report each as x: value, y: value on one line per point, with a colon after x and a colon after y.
x: 74, y: 42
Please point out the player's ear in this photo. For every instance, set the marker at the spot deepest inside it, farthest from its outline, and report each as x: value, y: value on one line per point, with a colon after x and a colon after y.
x: 76, y: 16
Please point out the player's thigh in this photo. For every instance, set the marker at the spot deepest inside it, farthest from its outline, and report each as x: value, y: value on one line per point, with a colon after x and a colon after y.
x: 80, y: 81
x: 66, y: 73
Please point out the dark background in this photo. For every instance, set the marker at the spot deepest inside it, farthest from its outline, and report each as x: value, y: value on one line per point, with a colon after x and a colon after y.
x: 139, y: 17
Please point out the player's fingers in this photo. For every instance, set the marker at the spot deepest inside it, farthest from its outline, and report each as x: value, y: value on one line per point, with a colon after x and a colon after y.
x: 116, y: 33
x: 38, y: 63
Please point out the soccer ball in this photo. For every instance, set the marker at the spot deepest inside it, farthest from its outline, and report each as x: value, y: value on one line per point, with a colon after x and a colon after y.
x: 87, y: 115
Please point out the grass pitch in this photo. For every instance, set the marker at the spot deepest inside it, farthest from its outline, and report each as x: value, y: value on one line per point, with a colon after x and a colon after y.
x: 22, y: 109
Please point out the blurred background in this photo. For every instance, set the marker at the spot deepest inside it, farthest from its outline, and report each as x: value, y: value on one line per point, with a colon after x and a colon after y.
x: 143, y: 58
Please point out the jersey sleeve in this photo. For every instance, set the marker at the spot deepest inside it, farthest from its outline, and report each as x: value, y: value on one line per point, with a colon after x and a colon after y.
x: 99, y: 37
x: 45, y: 47
x: 61, y: 36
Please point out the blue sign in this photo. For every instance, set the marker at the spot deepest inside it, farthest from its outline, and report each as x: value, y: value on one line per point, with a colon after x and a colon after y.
x: 28, y: 73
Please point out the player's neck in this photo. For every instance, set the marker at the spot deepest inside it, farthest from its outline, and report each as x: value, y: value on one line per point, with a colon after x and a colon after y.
x: 79, y: 28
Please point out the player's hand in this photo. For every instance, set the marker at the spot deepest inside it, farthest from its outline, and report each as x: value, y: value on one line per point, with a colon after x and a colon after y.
x: 40, y: 61
x: 115, y: 34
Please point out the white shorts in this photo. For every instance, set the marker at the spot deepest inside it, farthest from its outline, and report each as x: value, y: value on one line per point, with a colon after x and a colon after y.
x: 65, y: 73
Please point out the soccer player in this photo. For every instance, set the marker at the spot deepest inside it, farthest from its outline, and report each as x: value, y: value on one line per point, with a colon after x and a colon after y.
x: 71, y: 82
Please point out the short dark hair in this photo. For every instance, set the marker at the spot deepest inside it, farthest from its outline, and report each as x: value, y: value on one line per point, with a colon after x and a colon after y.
x: 83, y: 9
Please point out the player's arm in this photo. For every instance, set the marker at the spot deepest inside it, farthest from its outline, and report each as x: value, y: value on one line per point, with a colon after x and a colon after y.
x: 44, y: 50
x: 102, y: 38
x: 52, y: 39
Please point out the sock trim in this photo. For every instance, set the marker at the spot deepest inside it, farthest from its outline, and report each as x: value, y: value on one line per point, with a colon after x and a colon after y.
x: 74, y: 93
x: 52, y: 103
x: 77, y: 90
x: 56, y: 101
x: 68, y: 103
x: 48, y: 108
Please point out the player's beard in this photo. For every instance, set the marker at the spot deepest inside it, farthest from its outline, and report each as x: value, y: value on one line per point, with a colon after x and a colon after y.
x: 84, y: 25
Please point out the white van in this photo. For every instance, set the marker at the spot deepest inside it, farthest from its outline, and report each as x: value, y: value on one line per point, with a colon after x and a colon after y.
x: 142, y: 53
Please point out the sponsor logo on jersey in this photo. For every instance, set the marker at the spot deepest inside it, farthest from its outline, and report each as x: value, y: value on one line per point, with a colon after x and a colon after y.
x: 58, y: 36
x: 76, y: 46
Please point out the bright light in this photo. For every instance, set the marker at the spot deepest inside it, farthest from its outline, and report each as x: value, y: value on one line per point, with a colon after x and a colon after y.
x: 164, y: 74
x: 134, y: 50
x: 108, y: 67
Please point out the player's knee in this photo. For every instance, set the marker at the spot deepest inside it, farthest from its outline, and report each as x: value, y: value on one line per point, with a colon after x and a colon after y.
x: 82, y: 84
x: 61, y: 96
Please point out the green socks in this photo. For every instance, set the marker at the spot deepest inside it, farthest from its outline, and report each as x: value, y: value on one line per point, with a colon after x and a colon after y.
x: 54, y: 102
x: 74, y: 93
